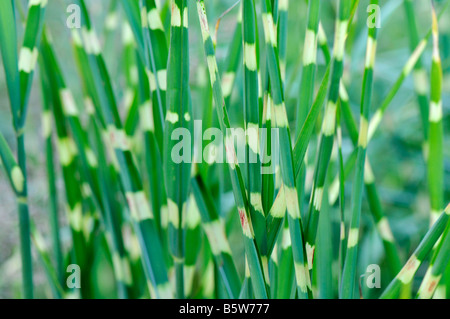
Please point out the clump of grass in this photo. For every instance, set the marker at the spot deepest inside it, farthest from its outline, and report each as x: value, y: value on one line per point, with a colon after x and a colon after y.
x: 204, y: 229
x: 19, y: 71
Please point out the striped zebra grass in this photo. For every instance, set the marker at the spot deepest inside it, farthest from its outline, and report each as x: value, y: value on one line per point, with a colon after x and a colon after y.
x: 349, y: 270
x: 178, y: 117
x: 234, y: 57
x: 280, y: 14
x: 373, y: 198
x: 254, y: 262
x: 341, y: 194
x: 301, y: 144
x: 42, y: 249
x: 193, y: 236
x: 90, y: 167
x: 441, y: 256
x: 148, y: 32
x: 13, y: 170
x: 287, y: 169
x: 406, y: 70
x: 47, y: 130
x: 286, y: 271
x: 309, y: 65
x: 420, y: 75
x: 406, y: 275
x: 96, y: 175
x: 274, y: 209
x: 101, y: 180
x: 438, y: 265
x: 156, y: 61
x: 140, y: 210
x: 68, y: 155
x: 162, y: 226
x: 252, y: 120
x: 435, y: 129
x: 328, y: 128
x: 213, y: 227
x: 19, y: 69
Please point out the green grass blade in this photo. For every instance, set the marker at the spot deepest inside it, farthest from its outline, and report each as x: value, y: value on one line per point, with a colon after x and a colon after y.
x: 252, y: 116
x: 234, y: 57
x: 328, y: 127
x: 406, y: 275
x: 51, y: 272
x: 435, y: 127
x: 156, y: 62
x: 68, y: 158
x: 215, y: 232
x: 349, y: 271
x: 13, y: 170
x: 287, y: 163
x: 29, y: 53
x: 437, y: 266
x: 301, y: 143
x: 253, y: 257
x: 8, y: 47
x: 47, y: 130
x: 407, y: 69
x: 141, y: 213
x: 369, y: 181
x: 178, y: 117
x: 309, y: 65
x: 420, y: 76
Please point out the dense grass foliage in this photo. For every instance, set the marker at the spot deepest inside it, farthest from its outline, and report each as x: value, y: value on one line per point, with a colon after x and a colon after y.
x: 223, y: 149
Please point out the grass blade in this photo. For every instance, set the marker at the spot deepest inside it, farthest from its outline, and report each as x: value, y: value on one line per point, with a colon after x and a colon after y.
x: 178, y: 117
x: 406, y: 275
x: 328, y: 128
x: 349, y: 270
x: 254, y: 262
